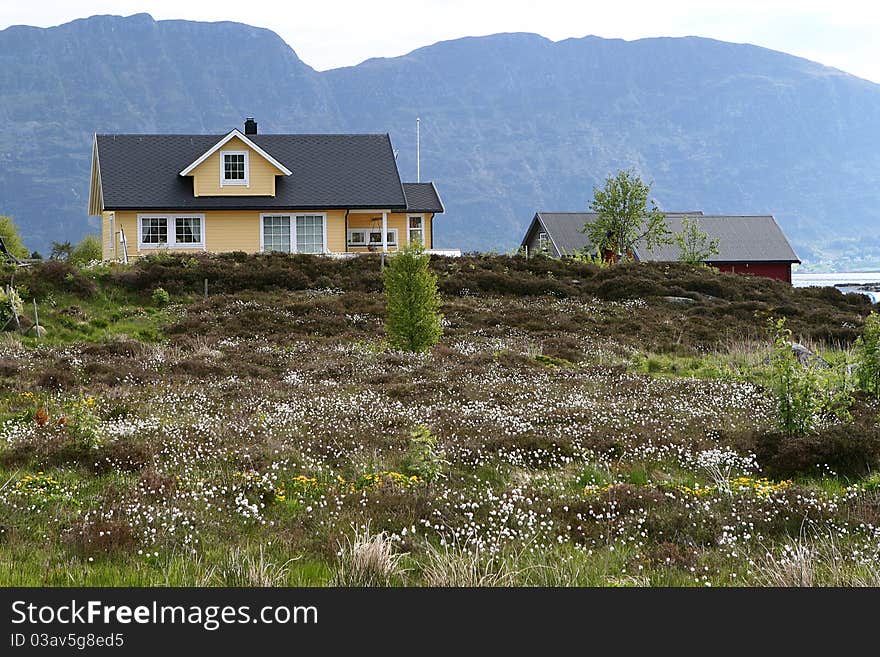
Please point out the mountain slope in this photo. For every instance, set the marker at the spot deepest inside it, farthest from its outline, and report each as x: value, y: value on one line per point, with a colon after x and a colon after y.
x: 511, y: 123
x: 519, y: 123
x: 59, y: 86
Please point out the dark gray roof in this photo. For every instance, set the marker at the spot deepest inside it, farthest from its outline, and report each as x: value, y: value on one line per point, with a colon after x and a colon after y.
x: 422, y: 197
x: 740, y: 238
x: 141, y: 172
x: 566, y: 229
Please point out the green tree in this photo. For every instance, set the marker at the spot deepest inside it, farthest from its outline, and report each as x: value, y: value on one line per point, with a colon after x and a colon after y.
x: 626, y: 215
x: 12, y: 238
x: 413, y: 322
x: 61, y: 250
x: 86, y: 250
x: 867, y: 353
x: 694, y: 245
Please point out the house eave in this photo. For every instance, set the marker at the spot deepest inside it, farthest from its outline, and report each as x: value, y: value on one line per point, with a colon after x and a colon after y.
x: 252, y: 207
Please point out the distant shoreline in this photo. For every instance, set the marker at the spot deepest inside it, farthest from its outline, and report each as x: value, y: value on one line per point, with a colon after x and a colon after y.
x: 836, y: 279
x: 867, y: 283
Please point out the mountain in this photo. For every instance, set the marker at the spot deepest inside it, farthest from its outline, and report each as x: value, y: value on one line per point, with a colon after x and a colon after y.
x: 511, y: 123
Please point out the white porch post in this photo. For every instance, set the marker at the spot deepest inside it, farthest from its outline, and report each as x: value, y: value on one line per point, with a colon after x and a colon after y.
x: 384, y: 232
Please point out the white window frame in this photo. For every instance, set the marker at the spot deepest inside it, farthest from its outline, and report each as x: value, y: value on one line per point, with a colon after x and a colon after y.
x: 247, y: 170
x: 263, y: 230
x: 365, y: 231
x: 409, y: 230
x: 171, y: 225
x: 296, y: 216
x: 544, y: 244
x: 293, y: 217
x: 369, y: 231
x: 111, y: 221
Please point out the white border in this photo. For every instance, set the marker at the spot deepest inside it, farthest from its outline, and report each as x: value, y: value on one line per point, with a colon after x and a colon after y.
x: 368, y: 243
x: 293, y: 217
x: 420, y: 215
x: 172, y: 231
x: 247, y: 170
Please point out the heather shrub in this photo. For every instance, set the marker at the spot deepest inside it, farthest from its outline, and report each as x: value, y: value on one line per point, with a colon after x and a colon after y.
x: 847, y: 449
x: 49, y: 276
x: 99, y: 537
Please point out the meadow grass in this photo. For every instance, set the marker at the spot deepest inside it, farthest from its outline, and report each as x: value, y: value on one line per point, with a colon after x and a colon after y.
x: 261, y: 436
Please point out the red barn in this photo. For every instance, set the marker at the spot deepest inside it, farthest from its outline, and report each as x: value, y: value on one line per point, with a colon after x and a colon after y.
x: 752, y: 245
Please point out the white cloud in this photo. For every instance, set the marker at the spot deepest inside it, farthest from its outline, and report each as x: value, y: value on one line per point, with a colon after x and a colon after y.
x: 335, y: 33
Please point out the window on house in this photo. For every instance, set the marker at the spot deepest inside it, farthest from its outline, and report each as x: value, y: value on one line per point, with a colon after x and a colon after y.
x: 416, y: 230
x: 543, y: 242
x: 235, y: 168
x: 276, y: 233
x: 154, y: 231
x: 357, y: 237
x: 171, y: 231
x: 188, y: 230
x: 310, y: 233
x: 371, y: 237
x: 376, y: 237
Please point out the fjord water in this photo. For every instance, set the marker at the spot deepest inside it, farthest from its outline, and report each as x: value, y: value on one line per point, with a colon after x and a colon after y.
x: 848, y: 282
x: 835, y: 278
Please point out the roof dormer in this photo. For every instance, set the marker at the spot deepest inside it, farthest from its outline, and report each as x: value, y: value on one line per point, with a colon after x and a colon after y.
x: 235, y: 166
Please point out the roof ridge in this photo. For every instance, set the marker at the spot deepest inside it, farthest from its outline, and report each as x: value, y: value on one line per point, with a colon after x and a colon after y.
x: 270, y: 134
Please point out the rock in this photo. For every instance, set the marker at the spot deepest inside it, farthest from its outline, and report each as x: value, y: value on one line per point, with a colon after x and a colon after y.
x: 806, y: 357
x: 680, y: 301
x: 40, y: 331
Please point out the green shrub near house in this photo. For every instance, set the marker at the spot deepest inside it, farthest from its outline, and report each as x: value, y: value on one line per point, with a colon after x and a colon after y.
x: 413, y: 320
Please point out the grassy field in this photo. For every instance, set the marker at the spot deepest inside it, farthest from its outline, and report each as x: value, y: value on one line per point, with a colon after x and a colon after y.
x: 583, y: 430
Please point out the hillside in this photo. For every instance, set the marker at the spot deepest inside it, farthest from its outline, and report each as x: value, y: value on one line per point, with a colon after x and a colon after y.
x: 573, y: 427
x: 512, y: 123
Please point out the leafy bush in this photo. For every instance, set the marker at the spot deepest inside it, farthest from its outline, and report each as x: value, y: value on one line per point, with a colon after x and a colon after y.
x: 413, y: 323
x: 803, y: 392
x: 160, y: 297
x: 12, y: 238
x: 87, y: 250
x: 10, y: 305
x: 424, y: 458
x: 867, y: 353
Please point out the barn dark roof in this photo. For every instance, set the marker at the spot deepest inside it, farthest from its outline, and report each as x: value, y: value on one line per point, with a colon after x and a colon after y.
x: 566, y: 229
x: 740, y: 238
x: 141, y: 172
x: 422, y: 197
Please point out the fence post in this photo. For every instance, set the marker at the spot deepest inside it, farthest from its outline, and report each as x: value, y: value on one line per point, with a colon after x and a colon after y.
x: 36, y: 319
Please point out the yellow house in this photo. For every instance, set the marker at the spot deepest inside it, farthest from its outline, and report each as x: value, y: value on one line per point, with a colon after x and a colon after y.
x: 243, y: 191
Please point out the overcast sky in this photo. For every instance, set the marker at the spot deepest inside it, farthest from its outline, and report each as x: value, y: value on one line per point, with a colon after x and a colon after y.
x: 331, y: 33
